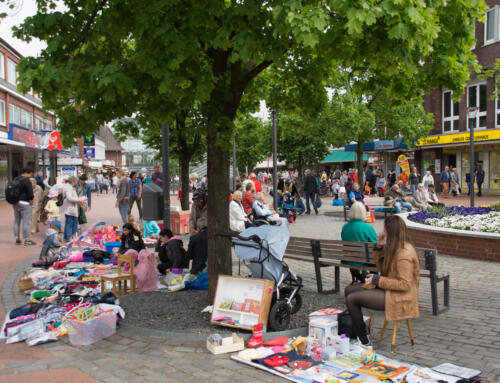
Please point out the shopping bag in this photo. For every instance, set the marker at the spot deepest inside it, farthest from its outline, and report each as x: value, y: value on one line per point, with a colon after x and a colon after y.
x: 82, y: 217
x: 199, y: 283
x: 318, y: 201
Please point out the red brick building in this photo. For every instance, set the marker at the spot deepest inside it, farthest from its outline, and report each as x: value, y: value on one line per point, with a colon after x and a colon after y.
x: 448, y: 142
x: 24, y: 127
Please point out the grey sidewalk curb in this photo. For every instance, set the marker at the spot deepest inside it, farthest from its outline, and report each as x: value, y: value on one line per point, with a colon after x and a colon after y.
x: 10, y: 298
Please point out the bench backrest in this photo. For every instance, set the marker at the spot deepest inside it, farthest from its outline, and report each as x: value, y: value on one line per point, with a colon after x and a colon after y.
x: 299, y: 246
x: 341, y: 250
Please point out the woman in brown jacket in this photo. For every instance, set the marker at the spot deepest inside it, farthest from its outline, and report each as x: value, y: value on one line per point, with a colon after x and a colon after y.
x: 396, y: 289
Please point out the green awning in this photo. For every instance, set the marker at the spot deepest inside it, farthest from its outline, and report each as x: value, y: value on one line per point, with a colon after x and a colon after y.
x: 340, y: 155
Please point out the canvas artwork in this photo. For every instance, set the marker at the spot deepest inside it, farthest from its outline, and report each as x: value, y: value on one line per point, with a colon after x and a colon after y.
x: 382, y: 370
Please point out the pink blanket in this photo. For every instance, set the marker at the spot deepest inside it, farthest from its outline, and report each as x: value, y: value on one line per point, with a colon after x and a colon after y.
x: 145, y: 271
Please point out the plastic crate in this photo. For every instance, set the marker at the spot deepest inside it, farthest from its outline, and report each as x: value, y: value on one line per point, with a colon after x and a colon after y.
x: 111, y: 245
x: 179, y: 221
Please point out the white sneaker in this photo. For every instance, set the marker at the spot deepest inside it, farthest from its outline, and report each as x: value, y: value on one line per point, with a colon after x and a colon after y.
x: 367, y: 346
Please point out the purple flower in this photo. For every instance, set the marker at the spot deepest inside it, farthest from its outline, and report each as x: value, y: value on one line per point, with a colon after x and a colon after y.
x: 422, y: 216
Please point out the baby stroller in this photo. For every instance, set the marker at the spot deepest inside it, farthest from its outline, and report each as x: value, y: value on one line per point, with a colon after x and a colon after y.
x: 49, y: 253
x: 261, y: 249
x: 288, y: 207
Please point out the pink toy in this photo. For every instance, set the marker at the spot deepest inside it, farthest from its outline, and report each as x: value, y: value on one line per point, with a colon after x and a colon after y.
x: 77, y: 258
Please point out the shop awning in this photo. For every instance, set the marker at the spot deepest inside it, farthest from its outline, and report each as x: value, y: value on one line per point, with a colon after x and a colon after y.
x: 340, y: 155
x: 378, y: 145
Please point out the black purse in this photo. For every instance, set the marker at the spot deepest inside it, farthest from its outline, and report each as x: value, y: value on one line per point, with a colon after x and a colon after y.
x: 345, y: 324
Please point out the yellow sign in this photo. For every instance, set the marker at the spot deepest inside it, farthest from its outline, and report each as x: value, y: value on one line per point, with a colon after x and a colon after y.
x: 483, y: 135
x: 403, y: 163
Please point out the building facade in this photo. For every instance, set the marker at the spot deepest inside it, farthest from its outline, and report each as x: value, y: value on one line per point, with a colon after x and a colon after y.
x: 27, y: 133
x: 448, y: 143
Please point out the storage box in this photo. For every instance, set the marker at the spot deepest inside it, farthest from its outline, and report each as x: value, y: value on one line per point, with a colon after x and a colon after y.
x: 228, y: 345
x: 330, y: 313
x: 322, y: 328
x: 179, y: 221
x: 111, y: 245
x: 339, y: 344
x: 252, y: 295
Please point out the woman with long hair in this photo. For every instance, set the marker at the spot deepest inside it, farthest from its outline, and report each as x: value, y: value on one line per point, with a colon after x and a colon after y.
x: 395, y: 290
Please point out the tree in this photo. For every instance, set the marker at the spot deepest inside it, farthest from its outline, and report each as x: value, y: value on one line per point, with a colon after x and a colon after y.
x: 362, y: 111
x: 105, y: 60
x: 302, y: 140
x: 187, y: 140
x: 253, y: 142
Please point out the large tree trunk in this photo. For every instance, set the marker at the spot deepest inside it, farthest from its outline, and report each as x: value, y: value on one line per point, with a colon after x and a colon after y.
x: 219, y: 249
x: 359, y: 165
x: 184, y: 170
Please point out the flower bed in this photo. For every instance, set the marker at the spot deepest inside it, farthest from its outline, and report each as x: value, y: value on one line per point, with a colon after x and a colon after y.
x: 481, y: 219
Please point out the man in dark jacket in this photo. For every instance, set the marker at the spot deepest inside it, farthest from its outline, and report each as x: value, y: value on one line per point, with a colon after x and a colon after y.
x: 198, y: 247
x: 309, y: 190
x: 22, y: 209
x: 171, y: 252
x: 479, y: 180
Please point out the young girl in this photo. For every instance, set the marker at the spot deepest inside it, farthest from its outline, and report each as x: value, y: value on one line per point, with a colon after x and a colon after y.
x: 131, y: 220
x: 131, y: 239
x: 53, y: 210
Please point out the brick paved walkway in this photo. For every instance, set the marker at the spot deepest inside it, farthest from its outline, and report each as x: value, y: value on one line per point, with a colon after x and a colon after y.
x: 467, y: 334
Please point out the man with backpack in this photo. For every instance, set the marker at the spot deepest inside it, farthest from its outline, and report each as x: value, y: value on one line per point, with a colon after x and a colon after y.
x: 19, y: 194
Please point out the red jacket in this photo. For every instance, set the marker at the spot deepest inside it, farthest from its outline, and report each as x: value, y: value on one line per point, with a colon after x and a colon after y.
x: 247, y: 202
x: 258, y: 186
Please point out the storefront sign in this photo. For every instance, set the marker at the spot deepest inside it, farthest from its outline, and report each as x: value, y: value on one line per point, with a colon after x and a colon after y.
x: 89, y: 152
x: 403, y: 163
x: 484, y: 135
x: 45, y: 139
x: 384, y: 144
x: 89, y: 140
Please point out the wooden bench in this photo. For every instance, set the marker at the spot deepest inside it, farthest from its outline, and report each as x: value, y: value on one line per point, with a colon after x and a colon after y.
x: 373, y: 203
x: 330, y: 253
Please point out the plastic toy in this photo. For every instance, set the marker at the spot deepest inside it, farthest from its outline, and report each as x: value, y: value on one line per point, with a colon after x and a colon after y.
x: 369, y: 356
x: 258, y: 333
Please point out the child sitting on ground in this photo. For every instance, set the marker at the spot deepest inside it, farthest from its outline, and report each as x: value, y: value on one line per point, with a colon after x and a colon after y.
x: 53, y: 211
x: 151, y: 229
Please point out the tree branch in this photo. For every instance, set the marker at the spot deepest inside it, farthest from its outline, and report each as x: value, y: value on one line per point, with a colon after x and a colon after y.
x: 89, y: 24
x: 251, y: 74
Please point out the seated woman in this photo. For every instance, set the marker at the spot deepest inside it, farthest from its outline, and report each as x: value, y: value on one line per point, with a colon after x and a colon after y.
x: 420, y: 198
x: 238, y: 220
x: 432, y: 197
x: 171, y: 252
x: 356, y: 230
x: 396, y: 289
x: 131, y: 239
x: 356, y: 195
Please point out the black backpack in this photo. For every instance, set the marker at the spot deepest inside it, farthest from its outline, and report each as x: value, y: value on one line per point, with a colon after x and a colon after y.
x: 13, y: 191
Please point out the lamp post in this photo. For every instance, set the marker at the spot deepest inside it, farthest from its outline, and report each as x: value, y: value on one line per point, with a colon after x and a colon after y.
x: 275, y: 164
x: 471, y: 115
x: 165, y: 132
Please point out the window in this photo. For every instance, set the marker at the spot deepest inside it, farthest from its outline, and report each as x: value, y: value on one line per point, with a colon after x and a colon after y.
x: 11, y: 71
x: 14, y: 114
x: 2, y: 66
x: 2, y: 112
x: 47, y: 124
x: 38, y: 123
x: 489, y: 26
x: 477, y: 97
x: 497, y: 109
x: 450, y: 113
x: 26, y: 119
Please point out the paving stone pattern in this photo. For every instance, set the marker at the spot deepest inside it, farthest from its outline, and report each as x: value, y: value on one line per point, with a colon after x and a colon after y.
x: 467, y: 334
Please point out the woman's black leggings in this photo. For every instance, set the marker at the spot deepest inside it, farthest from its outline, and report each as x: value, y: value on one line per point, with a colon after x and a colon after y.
x: 357, y: 297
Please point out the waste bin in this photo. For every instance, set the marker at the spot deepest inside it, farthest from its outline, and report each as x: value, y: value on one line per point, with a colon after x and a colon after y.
x: 152, y: 202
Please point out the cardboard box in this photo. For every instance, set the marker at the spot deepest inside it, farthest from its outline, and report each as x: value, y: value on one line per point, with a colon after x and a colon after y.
x: 326, y: 313
x: 179, y: 221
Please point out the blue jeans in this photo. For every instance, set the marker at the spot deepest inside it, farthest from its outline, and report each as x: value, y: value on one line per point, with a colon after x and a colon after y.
x: 399, y: 205
x: 70, y: 226
x: 310, y: 195
x: 413, y: 189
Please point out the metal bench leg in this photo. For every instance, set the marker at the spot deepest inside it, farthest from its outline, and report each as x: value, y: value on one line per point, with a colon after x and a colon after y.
x: 446, y: 285
x: 410, y: 332
x: 434, y: 294
x: 317, y: 266
x: 394, y: 332
x: 337, y: 279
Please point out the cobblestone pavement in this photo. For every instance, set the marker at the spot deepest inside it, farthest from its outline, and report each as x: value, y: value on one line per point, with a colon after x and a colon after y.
x: 467, y: 334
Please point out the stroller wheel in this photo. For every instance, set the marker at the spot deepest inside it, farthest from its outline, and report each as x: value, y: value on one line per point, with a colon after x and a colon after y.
x: 296, y: 301
x: 279, y: 316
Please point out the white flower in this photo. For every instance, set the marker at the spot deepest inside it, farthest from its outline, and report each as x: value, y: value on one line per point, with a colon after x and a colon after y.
x: 489, y: 222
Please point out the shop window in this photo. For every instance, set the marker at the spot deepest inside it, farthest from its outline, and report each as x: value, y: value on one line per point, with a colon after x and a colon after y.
x: 478, y: 160
x: 494, y: 170
x: 26, y: 119
x: 477, y: 97
x: 11, y: 71
x: 47, y: 125
x: 38, y: 123
x: 14, y: 114
x: 2, y: 112
x: 450, y: 113
x: 2, y: 66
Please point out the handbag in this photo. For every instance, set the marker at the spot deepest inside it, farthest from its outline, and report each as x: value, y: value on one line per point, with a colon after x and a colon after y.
x: 345, y: 324
x: 82, y: 217
x: 318, y: 201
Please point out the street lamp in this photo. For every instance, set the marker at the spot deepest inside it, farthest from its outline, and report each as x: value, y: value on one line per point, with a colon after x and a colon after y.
x: 471, y: 115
